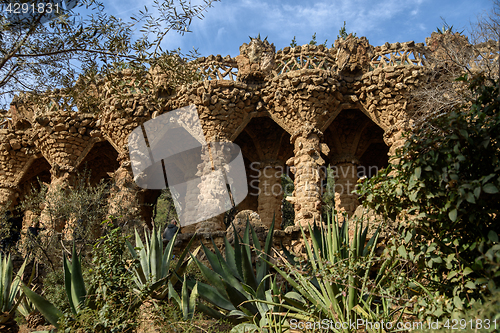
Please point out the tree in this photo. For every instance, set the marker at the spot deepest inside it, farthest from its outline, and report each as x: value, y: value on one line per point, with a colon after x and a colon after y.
x: 452, y: 55
x: 343, y: 33
x: 45, y: 51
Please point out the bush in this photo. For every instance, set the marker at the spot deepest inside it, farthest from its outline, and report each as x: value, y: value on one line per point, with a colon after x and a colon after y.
x: 444, y: 185
x: 112, y: 304
x: 76, y: 211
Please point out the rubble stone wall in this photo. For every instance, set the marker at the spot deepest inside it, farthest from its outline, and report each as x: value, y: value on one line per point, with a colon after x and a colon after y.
x: 309, y: 105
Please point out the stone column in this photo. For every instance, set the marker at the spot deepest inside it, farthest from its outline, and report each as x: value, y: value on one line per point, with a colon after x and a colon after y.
x: 62, y: 178
x: 270, y: 193
x: 124, y: 199
x: 8, y: 197
x: 346, y: 177
x: 212, y: 189
x: 307, y: 167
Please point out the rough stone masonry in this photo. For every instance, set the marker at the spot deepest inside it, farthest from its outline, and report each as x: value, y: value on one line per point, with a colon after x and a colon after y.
x: 297, y: 110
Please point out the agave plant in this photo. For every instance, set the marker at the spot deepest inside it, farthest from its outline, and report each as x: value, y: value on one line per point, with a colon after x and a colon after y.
x: 152, y: 263
x: 320, y: 291
x: 28, y: 310
x: 234, y: 281
x: 268, y: 319
x: 186, y: 302
x: 9, y: 288
x: 75, y: 291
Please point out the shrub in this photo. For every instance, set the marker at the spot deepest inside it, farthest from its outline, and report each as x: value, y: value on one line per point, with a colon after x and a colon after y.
x: 444, y: 184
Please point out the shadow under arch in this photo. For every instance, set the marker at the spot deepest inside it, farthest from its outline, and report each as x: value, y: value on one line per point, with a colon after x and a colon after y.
x: 357, y: 149
x: 264, y: 144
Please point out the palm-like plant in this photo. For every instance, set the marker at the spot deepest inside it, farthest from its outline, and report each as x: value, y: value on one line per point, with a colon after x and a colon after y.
x: 8, y: 290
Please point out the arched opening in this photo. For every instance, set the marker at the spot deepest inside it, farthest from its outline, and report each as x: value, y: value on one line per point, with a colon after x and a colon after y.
x: 265, y: 147
x: 100, y: 161
x: 37, y: 174
x: 38, y: 171
x: 357, y: 149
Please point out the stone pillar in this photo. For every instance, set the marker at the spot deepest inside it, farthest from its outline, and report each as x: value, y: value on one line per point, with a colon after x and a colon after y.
x: 124, y: 199
x: 62, y: 178
x: 191, y: 199
x: 270, y: 193
x: 211, y: 189
x: 8, y: 197
x: 309, y: 172
x: 346, y: 177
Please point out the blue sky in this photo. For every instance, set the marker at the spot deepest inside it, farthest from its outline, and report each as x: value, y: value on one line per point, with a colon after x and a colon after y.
x: 229, y: 23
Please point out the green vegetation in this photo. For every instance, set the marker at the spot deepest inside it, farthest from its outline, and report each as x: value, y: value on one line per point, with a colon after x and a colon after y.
x: 9, y: 288
x: 152, y: 263
x: 234, y: 282
x: 442, y: 189
x: 444, y: 186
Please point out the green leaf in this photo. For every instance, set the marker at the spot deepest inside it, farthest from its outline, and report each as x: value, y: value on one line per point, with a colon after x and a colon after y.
x: 470, y: 197
x: 458, y: 302
x: 490, y: 188
x: 49, y: 311
x: 453, y: 215
x: 408, y: 237
x: 467, y: 271
x: 192, y: 301
x: 67, y: 283
x: 493, y: 236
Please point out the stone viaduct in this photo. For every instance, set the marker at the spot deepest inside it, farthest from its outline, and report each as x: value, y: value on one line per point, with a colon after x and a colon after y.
x: 304, y: 108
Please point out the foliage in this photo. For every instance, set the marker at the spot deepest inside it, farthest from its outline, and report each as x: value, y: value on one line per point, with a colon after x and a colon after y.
x: 165, y: 209
x: 9, y: 288
x: 328, y: 196
x: 151, y: 265
x: 268, y: 318
x: 482, y: 317
x: 343, y: 33
x: 334, y: 282
x: 234, y: 281
x: 54, y: 290
x: 75, y: 292
x: 313, y: 41
x: 444, y: 183
x: 187, y: 303
x: 42, y: 52
x: 76, y: 210
x: 288, y: 211
x: 168, y: 318
x: 10, y: 225
x: 113, y: 305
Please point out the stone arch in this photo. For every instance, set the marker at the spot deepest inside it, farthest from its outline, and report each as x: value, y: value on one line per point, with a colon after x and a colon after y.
x: 36, y: 168
x: 357, y: 149
x: 35, y: 171
x: 266, y: 147
x: 100, y: 160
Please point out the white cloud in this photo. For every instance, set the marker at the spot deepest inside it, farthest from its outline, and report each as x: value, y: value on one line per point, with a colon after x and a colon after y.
x: 228, y: 23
